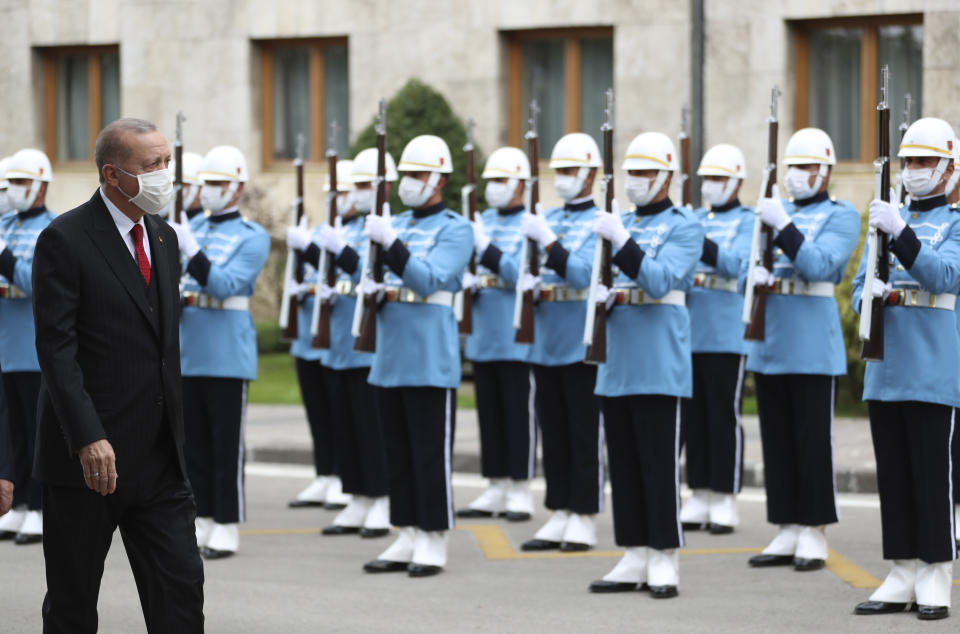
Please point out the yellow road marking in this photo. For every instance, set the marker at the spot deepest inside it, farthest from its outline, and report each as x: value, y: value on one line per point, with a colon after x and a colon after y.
x: 850, y: 572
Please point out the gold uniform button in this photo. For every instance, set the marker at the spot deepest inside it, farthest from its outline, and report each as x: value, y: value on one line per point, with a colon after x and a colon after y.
x: 413, y: 222
x: 914, y: 215
x: 710, y: 216
x: 779, y: 251
x: 559, y: 236
x: 899, y: 267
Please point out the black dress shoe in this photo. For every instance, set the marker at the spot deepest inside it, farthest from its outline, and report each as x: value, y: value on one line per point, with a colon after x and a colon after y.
x: 473, y: 513
x: 370, y: 533
x: 302, y: 504
x: 539, y: 544
x: 213, y: 553
x: 385, y: 565
x: 573, y: 547
x: 22, y: 539
x: 518, y: 516
x: 720, y: 529
x: 7, y: 535
x: 600, y: 586
x: 663, y: 592
x: 765, y: 561
x: 803, y: 564
x: 423, y: 570
x: 693, y: 526
x: 328, y: 506
x: 340, y: 530
x: 879, y: 607
x: 932, y: 612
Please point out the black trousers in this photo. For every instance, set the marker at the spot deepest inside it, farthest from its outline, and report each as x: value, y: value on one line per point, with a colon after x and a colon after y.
x: 570, y: 428
x: 356, y: 430
x: 214, y: 413
x: 155, y: 512
x: 508, y: 426
x: 912, y: 443
x: 313, y: 389
x: 710, y: 423
x: 22, y: 391
x: 643, y: 446
x: 955, y: 450
x: 418, y: 427
x: 796, y: 428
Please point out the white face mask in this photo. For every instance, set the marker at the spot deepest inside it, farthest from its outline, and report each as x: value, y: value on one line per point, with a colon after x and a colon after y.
x: 363, y: 200
x: 5, y: 204
x: 415, y: 193
x: 920, y: 182
x: 713, y: 193
x: 797, y: 182
x: 215, y: 198
x: 642, y: 189
x: 569, y: 187
x: 156, y: 190
x: 499, y: 194
x: 22, y: 197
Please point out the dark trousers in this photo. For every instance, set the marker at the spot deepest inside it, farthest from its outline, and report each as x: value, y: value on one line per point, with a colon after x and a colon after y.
x: 912, y: 443
x: 570, y: 428
x: 155, y: 513
x: 22, y: 391
x: 214, y: 413
x: 508, y: 425
x: 643, y: 445
x: 357, y: 434
x: 710, y: 423
x: 313, y: 389
x: 418, y: 426
x: 796, y: 430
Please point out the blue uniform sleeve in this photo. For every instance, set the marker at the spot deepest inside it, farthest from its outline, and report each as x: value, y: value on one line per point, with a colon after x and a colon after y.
x: 730, y: 261
x: 822, y: 258
x: 576, y: 265
x: 673, y: 262
x: 937, y: 270
x: 444, y: 263
x: 241, y: 271
x: 856, y: 289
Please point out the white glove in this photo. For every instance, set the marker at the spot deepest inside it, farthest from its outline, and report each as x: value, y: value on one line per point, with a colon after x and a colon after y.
x: 610, y: 227
x: 371, y: 287
x: 762, y: 276
x: 298, y: 236
x: 535, y: 227
x: 379, y: 229
x: 772, y: 212
x: 297, y: 288
x: 331, y: 238
x: 886, y: 217
x: 881, y: 288
x: 327, y: 293
x: 480, y: 238
x: 470, y: 281
x: 530, y: 282
x: 188, y: 243
x: 605, y: 296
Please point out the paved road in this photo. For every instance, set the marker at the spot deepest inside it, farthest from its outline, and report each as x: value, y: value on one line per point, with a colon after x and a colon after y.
x: 288, y: 579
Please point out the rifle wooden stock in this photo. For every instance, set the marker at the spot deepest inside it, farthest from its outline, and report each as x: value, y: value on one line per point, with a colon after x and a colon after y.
x: 366, y: 340
x: 525, y: 328
x: 756, y: 329
x: 321, y: 339
x: 466, y: 320
x: 290, y: 331
x: 597, y: 348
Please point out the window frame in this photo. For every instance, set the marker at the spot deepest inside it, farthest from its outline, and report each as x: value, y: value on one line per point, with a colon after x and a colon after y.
x: 572, y: 61
x: 316, y: 47
x: 869, y: 70
x: 49, y: 56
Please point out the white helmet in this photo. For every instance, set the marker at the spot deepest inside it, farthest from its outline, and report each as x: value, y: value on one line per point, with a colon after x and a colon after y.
x: 426, y: 153
x: 723, y: 160
x: 3, y: 172
x: 224, y: 163
x: 507, y: 162
x: 30, y: 164
x: 809, y: 146
x: 192, y: 163
x: 651, y: 151
x: 365, y: 167
x: 344, y: 184
x: 928, y: 136
x: 575, y: 150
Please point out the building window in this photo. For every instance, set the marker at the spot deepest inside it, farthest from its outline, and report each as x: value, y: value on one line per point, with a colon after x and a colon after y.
x: 567, y: 71
x: 81, y: 95
x: 838, y: 63
x: 305, y: 89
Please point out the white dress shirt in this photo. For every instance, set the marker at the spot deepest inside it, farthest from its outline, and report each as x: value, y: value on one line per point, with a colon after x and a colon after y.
x: 124, y: 225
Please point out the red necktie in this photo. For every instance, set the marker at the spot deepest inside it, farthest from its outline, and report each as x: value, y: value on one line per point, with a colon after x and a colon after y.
x: 142, y: 260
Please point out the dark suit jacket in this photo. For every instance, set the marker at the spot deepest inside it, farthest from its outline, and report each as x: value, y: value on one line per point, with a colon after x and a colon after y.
x: 109, y: 367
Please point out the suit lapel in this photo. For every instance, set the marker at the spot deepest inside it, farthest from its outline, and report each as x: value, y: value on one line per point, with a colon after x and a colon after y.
x: 105, y: 236
x: 159, y: 257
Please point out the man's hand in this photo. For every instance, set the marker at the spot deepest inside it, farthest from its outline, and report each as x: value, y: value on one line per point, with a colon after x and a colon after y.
x: 885, y: 216
x: 6, y: 496
x: 188, y: 243
x: 609, y: 226
x: 536, y: 228
x: 99, y: 466
x: 772, y: 212
x: 379, y: 229
x: 298, y: 236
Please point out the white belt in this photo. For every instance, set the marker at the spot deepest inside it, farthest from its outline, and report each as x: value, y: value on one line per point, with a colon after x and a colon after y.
x: 637, y: 296
x: 715, y: 282
x: 912, y: 298
x: 202, y: 300
x: 558, y: 293
x: 407, y: 296
x: 790, y: 286
x: 9, y: 291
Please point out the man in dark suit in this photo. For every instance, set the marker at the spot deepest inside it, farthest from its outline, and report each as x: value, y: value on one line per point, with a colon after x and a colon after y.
x: 110, y: 423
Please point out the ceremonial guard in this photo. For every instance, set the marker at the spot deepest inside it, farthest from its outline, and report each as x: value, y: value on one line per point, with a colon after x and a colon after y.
x: 710, y: 422
x: 224, y: 254
x: 567, y: 410
x: 29, y: 176
x: 326, y: 490
x: 912, y: 392
x: 797, y: 363
x: 504, y: 380
x: 416, y: 367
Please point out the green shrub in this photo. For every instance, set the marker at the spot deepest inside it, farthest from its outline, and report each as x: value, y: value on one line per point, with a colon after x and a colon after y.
x: 270, y: 338
x: 850, y: 387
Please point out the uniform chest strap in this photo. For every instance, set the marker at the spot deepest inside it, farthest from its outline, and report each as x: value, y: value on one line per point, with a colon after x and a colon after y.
x: 635, y: 296
x: 9, y: 291
x: 791, y: 286
x: 715, y: 282
x: 407, y: 296
x: 914, y: 298
x: 202, y: 300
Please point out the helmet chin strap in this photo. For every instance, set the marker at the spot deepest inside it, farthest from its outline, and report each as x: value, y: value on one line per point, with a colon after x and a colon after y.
x: 728, y: 190
x: 818, y: 182
x: 431, y: 184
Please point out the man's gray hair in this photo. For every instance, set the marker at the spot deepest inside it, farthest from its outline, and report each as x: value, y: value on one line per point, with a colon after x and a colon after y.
x: 110, y: 147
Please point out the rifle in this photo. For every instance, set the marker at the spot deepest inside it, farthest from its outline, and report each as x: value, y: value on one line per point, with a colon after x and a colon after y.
x: 469, y: 196
x: 907, y: 118
x: 178, y: 169
x: 683, y: 141
x: 595, y: 328
x: 529, y: 253
x: 322, y: 310
x: 878, y: 243
x: 755, y: 295
x: 365, y: 313
x: 293, y: 274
